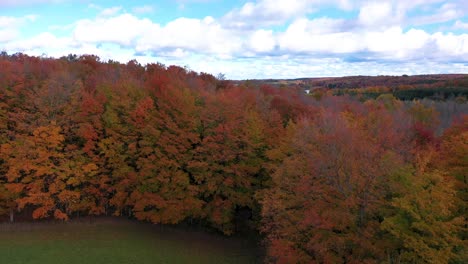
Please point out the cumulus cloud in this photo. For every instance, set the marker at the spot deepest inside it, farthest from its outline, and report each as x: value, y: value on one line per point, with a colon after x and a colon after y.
x: 460, y: 25
x: 177, y: 37
x: 377, y: 14
x: 262, y: 41
x: 9, y: 21
x: 10, y: 26
x: 196, y: 35
x: 7, y: 34
x: 451, y: 46
x: 317, y: 36
x: 145, y: 9
x: 123, y: 29
x: 382, y: 33
x: 288, y: 67
x: 326, y: 37
x: 7, y: 3
x: 111, y: 11
x: 447, y: 12
x: 388, y: 13
x: 266, y: 13
x: 43, y: 41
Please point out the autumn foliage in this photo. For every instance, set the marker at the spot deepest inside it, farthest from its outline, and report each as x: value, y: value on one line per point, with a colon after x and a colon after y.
x: 326, y: 179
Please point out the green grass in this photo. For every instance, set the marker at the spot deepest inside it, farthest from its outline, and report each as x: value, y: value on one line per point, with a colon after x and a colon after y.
x: 118, y: 242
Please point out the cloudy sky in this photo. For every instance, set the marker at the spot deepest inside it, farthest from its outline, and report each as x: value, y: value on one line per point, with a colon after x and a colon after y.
x: 249, y: 39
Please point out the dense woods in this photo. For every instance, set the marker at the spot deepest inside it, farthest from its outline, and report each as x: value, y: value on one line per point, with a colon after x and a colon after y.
x: 324, y: 178
x: 438, y: 87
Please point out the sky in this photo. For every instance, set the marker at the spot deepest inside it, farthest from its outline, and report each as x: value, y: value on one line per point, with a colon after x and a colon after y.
x: 248, y: 39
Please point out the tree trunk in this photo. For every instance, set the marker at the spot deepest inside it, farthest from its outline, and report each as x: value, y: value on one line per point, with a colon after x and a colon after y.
x: 12, y: 215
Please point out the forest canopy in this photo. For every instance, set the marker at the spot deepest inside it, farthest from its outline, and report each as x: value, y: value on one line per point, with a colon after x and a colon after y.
x: 325, y: 178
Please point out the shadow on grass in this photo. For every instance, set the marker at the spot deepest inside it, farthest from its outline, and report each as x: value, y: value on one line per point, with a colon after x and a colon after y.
x: 116, y: 240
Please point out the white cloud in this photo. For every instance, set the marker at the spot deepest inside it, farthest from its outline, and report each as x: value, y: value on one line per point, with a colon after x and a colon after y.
x: 326, y: 38
x: 176, y: 38
x: 205, y: 36
x: 262, y: 41
x: 345, y: 4
x: 195, y: 1
x: 124, y: 29
x: 288, y: 67
x: 450, y: 45
x: 407, y: 5
x: 375, y: 14
x: 94, y: 6
x: 447, y: 12
x: 381, y: 39
x: 317, y: 36
x: 12, y: 22
x: 394, y: 44
x: 7, y: 34
x: 9, y: 21
x: 43, y: 41
x: 27, y: 2
x: 324, y: 25
x: 177, y: 53
x: 390, y: 13
x: 143, y: 9
x: 111, y: 11
x: 266, y: 13
x: 10, y: 26
x: 460, y: 25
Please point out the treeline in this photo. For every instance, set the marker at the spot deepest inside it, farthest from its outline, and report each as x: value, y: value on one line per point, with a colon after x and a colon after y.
x: 440, y: 87
x: 459, y: 94
x: 423, y: 81
x: 327, y: 179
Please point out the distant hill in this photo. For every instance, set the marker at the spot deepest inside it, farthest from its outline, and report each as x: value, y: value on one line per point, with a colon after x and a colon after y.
x: 350, y: 82
x: 436, y: 86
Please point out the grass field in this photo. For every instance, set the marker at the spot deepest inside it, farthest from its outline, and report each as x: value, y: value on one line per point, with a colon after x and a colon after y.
x: 118, y: 241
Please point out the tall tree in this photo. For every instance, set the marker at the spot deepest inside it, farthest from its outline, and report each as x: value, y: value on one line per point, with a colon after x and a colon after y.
x: 423, y: 223
x: 325, y: 202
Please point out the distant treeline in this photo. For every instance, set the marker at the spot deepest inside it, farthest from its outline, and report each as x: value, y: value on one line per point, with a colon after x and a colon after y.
x: 436, y: 87
x: 435, y: 80
x: 410, y: 94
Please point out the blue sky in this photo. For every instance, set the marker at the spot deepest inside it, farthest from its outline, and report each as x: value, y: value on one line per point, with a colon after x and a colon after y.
x: 249, y: 39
